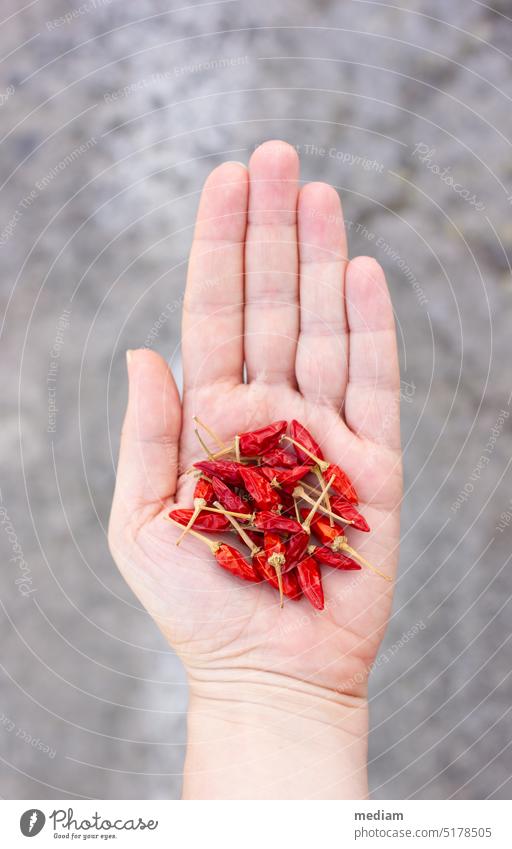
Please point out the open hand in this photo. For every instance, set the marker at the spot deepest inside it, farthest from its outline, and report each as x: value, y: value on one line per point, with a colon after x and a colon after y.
x: 277, y: 324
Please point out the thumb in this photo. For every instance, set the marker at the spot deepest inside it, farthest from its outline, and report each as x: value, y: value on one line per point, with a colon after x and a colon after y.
x: 148, y: 457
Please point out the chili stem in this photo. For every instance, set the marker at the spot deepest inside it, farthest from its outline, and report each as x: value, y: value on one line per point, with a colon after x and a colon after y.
x: 227, y: 450
x: 275, y: 561
x: 227, y: 513
x: 199, y: 503
x: 357, y: 556
x: 316, y: 505
x: 203, y: 444
x: 213, y: 546
x: 322, y: 464
x: 321, y: 509
x: 209, y: 431
x: 248, y: 541
x: 327, y: 501
x: 296, y: 505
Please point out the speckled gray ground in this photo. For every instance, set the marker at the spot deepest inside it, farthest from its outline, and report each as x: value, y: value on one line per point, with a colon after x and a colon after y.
x: 92, y: 702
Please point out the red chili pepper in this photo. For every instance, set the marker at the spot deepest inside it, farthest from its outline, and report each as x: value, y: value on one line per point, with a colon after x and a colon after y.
x: 208, y: 522
x: 291, y: 585
x: 258, y: 487
x: 302, y: 435
x: 310, y: 581
x: 257, y: 442
x: 278, y: 457
x: 291, y: 588
x: 287, y: 502
x: 274, y: 546
x: 346, y: 510
x: 254, y: 536
x: 285, y: 478
x: 322, y: 528
x: 231, y: 559
x: 341, y: 483
x: 295, y: 548
x: 229, y: 499
x: 273, y: 543
x: 204, y: 489
x: 268, y: 521
x: 274, y: 550
x: 261, y: 563
x: 337, y: 559
x: 227, y: 470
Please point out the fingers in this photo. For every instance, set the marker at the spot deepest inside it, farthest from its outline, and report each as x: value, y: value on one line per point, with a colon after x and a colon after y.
x: 322, y: 353
x: 148, y: 456
x: 271, y: 265
x: 212, y: 333
x: 373, y: 391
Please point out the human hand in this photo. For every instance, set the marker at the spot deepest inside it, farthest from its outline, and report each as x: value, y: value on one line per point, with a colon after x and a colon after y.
x: 269, y: 286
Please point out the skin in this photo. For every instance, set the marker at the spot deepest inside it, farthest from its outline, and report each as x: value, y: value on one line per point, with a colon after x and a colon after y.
x: 278, y: 698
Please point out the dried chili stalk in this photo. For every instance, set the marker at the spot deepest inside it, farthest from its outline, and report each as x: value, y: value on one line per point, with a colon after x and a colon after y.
x: 341, y: 481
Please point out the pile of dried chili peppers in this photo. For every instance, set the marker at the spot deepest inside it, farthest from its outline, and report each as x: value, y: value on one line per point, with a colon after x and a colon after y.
x: 289, y: 506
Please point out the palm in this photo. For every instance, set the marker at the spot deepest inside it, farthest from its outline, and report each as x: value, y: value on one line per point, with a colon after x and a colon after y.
x: 211, y: 619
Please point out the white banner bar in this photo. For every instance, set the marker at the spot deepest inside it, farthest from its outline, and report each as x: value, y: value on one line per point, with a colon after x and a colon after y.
x: 253, y: 825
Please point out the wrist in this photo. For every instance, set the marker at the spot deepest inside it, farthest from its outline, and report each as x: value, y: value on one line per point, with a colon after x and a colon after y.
x: 273, y: 736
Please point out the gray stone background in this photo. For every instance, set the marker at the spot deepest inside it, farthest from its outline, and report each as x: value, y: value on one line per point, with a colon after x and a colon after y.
x: 92, y: 701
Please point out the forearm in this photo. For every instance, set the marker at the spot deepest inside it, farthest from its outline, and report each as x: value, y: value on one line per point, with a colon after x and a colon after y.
x: 275, y: 740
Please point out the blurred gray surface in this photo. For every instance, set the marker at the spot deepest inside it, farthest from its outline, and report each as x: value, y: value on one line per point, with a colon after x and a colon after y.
x: 92, y: 702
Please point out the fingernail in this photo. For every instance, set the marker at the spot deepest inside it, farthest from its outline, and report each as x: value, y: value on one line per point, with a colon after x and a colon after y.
x: 235, y: 162
x: 129, y: 355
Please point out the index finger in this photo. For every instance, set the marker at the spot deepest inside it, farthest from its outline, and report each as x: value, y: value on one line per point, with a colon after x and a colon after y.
x: 212, y: 330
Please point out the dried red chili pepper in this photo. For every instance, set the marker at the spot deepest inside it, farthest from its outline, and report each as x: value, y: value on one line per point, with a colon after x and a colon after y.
x: 303, y: 436
x: 242, y: 533
x: 278, y: 457
x: 335, y: 541
x: 208, y: 522
x: 357, y: 521
x: 276, y: 489
x: 255, y: 536
x: 306, y: 524
x: 296, y: 548
x: 231, y: 559
x: 336, y: 559
x: 275, y: 551
x: 273, y: 544
x: 229, y: 499
x: 268, y: 521
x: 322, y: 528
x: 203, y: 494
x: 310, y: 581
x: 258, y: 487
x: 259, y: 561
x: 227, y: 556
x: 204, y: 490
x: 291, y: 585
x: 257, y: 442
x: 341, y: 483
x: 340, y: 546
x: 345, y: 510
x: 226, y: 470
x: 287, y: 503
x: 285, y: 478
x: 291, y: 588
